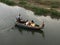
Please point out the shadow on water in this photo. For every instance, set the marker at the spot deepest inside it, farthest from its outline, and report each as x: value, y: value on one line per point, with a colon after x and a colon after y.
x: 29, y: 30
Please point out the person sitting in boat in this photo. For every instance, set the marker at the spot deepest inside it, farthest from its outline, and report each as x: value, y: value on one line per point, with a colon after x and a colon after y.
x: 18, y: 18
x: 28, y: 23
x: 32, y: 23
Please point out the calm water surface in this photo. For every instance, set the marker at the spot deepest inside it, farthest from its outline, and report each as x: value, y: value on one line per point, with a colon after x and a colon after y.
x: 10, y: 35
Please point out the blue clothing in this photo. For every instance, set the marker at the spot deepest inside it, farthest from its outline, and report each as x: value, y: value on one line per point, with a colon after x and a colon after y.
x: 17, y: 17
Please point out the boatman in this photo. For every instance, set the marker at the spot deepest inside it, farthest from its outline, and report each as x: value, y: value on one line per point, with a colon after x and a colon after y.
x: 18, y: 18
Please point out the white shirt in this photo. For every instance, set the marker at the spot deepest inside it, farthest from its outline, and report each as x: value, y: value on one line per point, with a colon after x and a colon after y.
x: 27, y: 23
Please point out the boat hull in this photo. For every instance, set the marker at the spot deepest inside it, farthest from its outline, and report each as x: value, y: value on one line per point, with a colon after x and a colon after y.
x: 26, y: 27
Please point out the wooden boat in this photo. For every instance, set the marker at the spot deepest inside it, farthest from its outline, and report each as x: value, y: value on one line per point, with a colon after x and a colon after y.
x: 22, y: 25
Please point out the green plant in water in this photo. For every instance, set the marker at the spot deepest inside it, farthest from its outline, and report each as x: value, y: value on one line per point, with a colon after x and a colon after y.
x: 54, y: 6
x: 39, y: 11
x: 8, y: 2
x: 23, y: 2
x: 55, y: 13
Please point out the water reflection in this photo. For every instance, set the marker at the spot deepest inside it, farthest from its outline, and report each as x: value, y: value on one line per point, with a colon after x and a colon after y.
x: 32, y: 31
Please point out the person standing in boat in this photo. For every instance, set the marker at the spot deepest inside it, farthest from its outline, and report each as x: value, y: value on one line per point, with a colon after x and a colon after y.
x: 18, y: 18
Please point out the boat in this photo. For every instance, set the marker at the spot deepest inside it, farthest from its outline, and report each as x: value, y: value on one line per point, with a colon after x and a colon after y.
x: 22, y: 25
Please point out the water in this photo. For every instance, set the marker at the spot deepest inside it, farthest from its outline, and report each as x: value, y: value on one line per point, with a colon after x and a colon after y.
x: 10, y: 35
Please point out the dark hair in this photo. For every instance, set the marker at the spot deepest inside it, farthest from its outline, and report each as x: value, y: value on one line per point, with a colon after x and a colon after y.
x: 19, y: 14
x: 26, y: 20
x: 32, y: 21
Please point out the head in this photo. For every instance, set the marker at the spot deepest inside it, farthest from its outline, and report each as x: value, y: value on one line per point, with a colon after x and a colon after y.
x: 26, y: 20
x: 19, y: 14
x: 32, y: 21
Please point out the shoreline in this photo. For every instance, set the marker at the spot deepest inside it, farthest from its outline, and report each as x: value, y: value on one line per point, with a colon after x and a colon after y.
x: 35, y: 8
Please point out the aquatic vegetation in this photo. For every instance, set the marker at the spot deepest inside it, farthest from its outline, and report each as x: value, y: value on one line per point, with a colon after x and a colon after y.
x: 35, y: 9
x: 55, y: 13
x: 40, y: 11
x: 8, y: 2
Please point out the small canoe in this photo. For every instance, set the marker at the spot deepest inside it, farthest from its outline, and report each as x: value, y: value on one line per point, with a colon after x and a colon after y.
x: 22, y: 25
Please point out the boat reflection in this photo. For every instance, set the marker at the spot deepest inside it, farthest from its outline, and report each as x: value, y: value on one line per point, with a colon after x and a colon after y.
x: 32, y: 31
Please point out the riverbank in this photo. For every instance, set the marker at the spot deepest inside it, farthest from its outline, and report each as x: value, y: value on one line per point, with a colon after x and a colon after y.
x: 35, y: 7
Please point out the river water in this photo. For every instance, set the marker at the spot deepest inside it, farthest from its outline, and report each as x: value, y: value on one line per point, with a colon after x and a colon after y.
x: 10, y: 35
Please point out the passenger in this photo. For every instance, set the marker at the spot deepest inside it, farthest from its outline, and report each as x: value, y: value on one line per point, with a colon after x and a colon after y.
x: 28, y: 23
x: 32, y: 23
x: 18, y: 18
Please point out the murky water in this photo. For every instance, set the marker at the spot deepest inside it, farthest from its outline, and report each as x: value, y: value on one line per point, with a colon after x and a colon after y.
x: 16, y: 36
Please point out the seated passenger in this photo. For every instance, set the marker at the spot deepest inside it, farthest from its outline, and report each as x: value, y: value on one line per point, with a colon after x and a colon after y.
x: 28, y: 23
x: 18, y: 18
x: 32, y: 23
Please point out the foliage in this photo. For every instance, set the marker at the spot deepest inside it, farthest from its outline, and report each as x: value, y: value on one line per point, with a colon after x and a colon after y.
x: 8, y: 2
x: 23, y: 2
x: 37, y: 10
x: 55, y: 13
x: 40, y: 11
